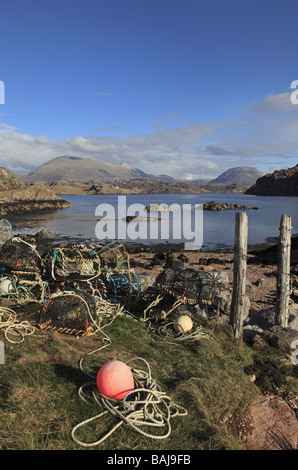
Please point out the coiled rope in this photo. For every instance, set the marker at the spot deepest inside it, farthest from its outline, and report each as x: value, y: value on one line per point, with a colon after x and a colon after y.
x: 11, y: 327
x: 175, y: 332
x: 147, y: 405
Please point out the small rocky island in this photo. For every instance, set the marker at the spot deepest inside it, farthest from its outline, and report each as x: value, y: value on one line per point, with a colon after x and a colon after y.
x: 224, y: 206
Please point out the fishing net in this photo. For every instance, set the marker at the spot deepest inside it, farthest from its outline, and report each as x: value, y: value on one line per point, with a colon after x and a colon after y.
x: 193, y: 286
x: 70, y: 312
x: 18, y: 255
x: 5, y: 231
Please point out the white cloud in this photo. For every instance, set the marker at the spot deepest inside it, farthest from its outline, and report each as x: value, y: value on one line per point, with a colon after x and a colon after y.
x: 7, y: 127
x: 196, y: 149
x: 275, y: 103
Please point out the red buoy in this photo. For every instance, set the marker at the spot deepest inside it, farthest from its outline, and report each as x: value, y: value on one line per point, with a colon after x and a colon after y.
x: 115, y: 379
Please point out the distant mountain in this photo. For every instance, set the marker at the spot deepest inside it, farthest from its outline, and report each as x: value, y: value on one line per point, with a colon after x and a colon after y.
x: 83, y: 170
x: 245, y: 175
x: 279, y: 183
x: 79, y: 169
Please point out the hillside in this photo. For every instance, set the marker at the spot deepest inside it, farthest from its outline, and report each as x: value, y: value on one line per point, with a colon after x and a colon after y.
x: 279, y: 183
x: 82, y: 170
x: 91, y: 187
x: 244, y: 175
x: 151, y: 186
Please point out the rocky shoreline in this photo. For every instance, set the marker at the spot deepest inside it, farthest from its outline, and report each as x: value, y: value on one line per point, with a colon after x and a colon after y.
x: 19, y: 198
x: 25, y: 207
x: 139, y: 186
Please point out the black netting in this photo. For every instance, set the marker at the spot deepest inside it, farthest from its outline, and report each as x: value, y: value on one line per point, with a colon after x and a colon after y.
x: 83, y: 262
x: 69, y: 312
x: 194, y: 286
x: 18, y: 255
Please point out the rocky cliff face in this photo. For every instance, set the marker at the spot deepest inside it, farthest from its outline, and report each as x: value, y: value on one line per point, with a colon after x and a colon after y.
x: 17, y: 197
x: 278, y: 183
x: 9, y: 181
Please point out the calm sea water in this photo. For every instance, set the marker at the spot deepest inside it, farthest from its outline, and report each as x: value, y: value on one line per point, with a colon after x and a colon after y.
x: 78, y: 222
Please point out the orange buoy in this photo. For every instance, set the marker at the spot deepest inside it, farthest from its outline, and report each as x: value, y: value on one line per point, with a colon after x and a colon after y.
x: 114, y: 379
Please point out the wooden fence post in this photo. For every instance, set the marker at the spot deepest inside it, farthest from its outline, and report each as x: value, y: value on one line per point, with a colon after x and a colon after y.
x: 283, y: 275
x: 239, y: 283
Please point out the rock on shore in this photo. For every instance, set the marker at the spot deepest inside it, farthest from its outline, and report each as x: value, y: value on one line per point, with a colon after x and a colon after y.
x: 19, y: 198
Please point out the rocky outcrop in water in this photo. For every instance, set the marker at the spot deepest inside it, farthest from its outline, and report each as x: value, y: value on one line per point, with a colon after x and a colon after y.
x: 224, y: 206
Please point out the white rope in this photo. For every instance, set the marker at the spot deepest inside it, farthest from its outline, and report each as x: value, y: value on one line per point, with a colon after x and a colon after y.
x: 146, y: 405
x: 19, y: 240
x: 8, y: 322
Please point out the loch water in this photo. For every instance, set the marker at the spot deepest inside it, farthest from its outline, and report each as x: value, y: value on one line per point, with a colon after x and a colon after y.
x: 77, y: 223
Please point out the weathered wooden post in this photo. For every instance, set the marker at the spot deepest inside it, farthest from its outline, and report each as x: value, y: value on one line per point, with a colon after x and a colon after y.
x: 239, y: 283
x: 283, y: 274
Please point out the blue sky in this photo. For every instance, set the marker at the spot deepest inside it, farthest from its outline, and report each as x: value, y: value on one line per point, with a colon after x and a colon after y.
x: 188, y: 88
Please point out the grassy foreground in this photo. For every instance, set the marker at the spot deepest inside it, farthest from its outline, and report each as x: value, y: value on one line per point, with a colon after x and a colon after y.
x: 39, y: 382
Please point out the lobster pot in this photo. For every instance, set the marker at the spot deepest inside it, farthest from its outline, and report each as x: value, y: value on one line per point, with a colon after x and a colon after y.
x: 17, y: 255
x: 94, y: 287
x: 124, y: 284
x: 193, y: 286
x: 70, y: 313
x: 113, y: 256
x: 76, y: 262
x: 29, y: 286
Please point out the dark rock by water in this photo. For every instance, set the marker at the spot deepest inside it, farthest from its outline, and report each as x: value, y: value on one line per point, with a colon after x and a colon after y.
x: 279, y: 183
